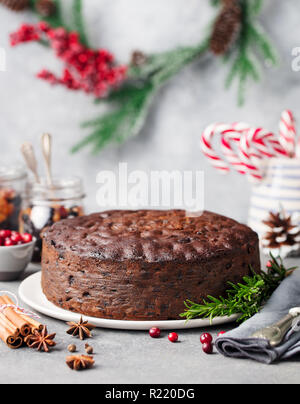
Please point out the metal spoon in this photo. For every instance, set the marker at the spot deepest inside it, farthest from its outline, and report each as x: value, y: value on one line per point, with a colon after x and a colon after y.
x: 47, y: 148
x: 276, y: 332
x: 29, y: 157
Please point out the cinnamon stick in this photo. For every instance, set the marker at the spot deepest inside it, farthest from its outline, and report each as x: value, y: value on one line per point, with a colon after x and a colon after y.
x: 35, y: 325
x: 7, y: 334
x: 9, y: 325
x: 15, y: 318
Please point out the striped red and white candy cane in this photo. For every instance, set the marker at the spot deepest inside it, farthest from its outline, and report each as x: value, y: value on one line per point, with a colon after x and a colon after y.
x: 244, y: 147
x: 250, y: 155
x: 229, y: 141
x: 256, y: 145
x: 287, y: 132
x: 225, y: 131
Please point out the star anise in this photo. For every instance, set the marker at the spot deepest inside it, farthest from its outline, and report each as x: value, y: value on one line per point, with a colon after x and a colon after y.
x: 80, y: 362
x: 83, y: 329
x: 40, y: 340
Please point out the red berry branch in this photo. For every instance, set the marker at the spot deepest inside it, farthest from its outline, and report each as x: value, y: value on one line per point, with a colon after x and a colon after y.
x: 92, y: 71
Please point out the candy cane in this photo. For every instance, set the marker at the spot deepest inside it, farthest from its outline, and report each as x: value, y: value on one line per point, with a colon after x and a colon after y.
x: 207, y: 149
x: 287, y: 132
x: 244, y: 147
x: 256, y: 145
x: 225, y: 131
x: 250, y: 156
x: 229, y: 150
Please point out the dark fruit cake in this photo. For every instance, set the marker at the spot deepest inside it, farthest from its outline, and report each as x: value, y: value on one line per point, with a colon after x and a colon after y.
x: 143, y: 265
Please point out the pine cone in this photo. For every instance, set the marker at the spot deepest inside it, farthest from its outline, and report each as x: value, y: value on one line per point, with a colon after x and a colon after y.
x: 282, y: 232
x: 138, y: 59
x: 46, y: 8
x: 15, y: 5
x: 226, y: 27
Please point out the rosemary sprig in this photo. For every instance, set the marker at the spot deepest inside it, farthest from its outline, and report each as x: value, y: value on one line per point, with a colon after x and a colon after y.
x: 245, y: 298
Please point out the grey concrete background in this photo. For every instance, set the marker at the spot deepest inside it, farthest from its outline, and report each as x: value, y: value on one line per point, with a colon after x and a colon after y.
x: 195, y: 98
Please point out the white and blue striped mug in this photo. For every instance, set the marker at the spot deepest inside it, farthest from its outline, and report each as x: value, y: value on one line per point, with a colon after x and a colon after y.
x: 279, y: 191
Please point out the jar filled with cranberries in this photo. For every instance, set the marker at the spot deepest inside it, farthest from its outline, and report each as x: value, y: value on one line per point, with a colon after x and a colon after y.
x: 12, y: 187
x: 45, y: 204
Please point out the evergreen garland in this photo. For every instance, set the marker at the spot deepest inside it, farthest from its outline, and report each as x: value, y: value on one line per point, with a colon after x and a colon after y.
x: 144, y: 83
x: 129, y: 105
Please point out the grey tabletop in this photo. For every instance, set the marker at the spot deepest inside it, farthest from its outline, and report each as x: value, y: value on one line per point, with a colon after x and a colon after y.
x: 133, y: 357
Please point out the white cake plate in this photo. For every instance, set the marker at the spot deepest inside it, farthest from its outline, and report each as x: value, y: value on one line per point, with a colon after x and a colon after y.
x: 30, y: 292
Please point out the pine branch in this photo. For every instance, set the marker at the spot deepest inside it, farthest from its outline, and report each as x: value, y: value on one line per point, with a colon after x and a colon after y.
x: 78, y: 21
x: 245, y: 298
x: 256, y: 6
x: 215, y: 3
x: 127, y: 119
x: 251, y: 40
x: 55, y: 20
x: 263, y: 44
x: 131, y: 103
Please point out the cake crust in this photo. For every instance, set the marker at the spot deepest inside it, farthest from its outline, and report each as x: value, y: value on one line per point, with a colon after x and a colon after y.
x: 143, y: 265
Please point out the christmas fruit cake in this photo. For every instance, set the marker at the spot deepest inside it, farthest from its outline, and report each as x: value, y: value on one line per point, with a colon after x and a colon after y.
x: 143, y: 265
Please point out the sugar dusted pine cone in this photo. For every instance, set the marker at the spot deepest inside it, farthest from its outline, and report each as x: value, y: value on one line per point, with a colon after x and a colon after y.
x: 15, y: 5
x: 226, y: 27
x: 46, y: 8
x: 282, y: 235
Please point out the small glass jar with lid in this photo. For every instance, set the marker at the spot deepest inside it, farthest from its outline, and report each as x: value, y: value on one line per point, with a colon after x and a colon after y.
x: 45, y: 204
x: 12, y: 187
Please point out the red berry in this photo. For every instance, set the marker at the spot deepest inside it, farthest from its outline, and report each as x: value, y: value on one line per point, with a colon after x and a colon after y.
x: 154, y: 332
x: 5, y: 233
x: 2, y: 241
x: 173, y: 337
x: 63, y: 212
x: 221, y: 333
x: 9, y: 242
x: 16, y: 237
x: 207, y: 348
x: 26, y: 237
x: 206, y: 338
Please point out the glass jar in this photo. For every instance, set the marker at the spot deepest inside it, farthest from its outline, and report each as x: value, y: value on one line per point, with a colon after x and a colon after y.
x: 46, y: 204
x: 12, y: 187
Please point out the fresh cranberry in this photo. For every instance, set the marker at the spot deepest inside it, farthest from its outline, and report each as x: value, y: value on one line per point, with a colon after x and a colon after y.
x: 207, y: 348
x: 16, y: 237
x: 206, y: 338
x: 26, y: 237
x: 221, y: 333
x: 63, y: 212
x: 173, y: 337
x: 9, y: 242
x: 2, y: 241
x: 5, y: 233
x: 154, y: 332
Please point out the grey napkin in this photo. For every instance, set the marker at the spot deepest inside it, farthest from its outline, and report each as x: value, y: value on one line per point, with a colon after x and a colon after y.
x: 238, y: 344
